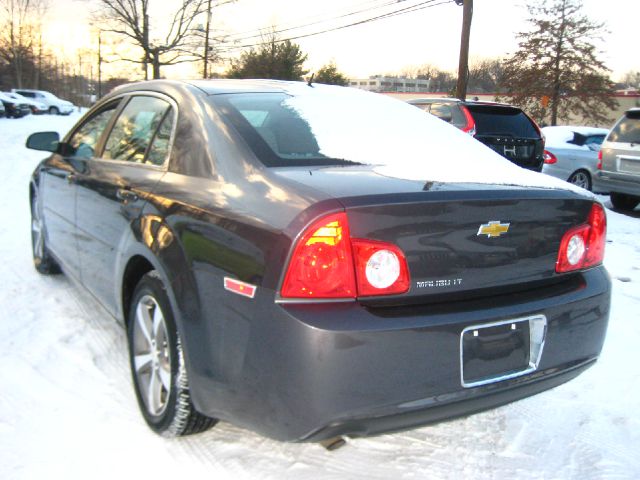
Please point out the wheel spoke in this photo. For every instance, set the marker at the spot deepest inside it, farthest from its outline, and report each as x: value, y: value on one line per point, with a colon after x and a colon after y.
x: 165, y: 378
x: 153, y: 393
x: 158, y: 322
x: 142, y: 361
x: 143, y: 320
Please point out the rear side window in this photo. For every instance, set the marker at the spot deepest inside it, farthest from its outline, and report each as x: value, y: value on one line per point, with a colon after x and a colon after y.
x: 508, y: 121
x: 443, y: 112
x: 627, y: 130
x: 135, y: 130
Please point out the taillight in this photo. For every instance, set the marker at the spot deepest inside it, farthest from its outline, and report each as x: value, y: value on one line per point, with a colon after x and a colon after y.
x: 600, y: 160
x: 583, y: 246
x: 322, y: 263
x: 470, y: 124
x: 327, y: 263
x: 549, y: 158
x: 381, y: 268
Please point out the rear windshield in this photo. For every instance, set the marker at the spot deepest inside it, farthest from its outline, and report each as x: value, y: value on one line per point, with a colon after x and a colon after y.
x: 325, y: 125
x: 493, y: 120
x: 627, y: 130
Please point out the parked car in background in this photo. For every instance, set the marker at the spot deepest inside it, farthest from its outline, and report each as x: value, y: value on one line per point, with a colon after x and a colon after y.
x: 316, y: 261
x: 54, y: 105
x: 619, y: 167
x: 3, y: 112
x: 14, y: 108
x: 36, y: 107
x: 504, y: 128
x: 571, y: 153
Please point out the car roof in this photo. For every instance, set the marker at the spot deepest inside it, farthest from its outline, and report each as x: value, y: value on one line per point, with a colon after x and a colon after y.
x: 578, y: 129
x: 216, y: 86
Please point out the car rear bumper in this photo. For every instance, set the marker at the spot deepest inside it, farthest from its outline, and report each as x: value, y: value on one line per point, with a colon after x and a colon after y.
x: 305, y: 372
x: 607, y: 183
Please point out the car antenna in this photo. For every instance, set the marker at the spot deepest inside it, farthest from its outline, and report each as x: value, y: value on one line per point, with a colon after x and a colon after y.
x: 311, y: 80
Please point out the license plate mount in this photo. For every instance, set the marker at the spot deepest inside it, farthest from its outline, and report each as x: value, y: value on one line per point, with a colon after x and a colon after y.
x: 496, y: 351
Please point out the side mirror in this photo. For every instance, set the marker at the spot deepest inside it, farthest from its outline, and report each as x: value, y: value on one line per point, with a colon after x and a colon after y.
x: 45, y: 141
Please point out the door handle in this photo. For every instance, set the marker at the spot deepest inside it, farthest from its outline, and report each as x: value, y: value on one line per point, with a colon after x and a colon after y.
x: 126, y: 195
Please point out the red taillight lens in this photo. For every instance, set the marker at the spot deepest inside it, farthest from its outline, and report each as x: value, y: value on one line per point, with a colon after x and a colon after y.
x: 327, y: 263
x: 322, y: 264
x: 583, y: 246
x: 600, y: 160
x: 381, y: 268
x: 470, y: 125
x: 549, y: 158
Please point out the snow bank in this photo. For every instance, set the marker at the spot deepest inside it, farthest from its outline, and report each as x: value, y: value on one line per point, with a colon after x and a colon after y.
x: 403, y: 141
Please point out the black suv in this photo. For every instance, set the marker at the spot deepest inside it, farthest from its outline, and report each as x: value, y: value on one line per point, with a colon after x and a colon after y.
x: 504, y: 128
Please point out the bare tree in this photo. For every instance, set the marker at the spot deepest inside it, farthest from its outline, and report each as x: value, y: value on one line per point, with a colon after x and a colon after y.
x: 130, y: 19
x: 631, y: 79
x: 19, y: 36
x: 485, y: 75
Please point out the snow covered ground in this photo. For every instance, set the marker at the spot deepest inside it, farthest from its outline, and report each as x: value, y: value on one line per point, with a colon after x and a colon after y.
x: 67, y: 409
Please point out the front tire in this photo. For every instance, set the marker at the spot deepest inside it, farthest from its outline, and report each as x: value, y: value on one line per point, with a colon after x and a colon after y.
x: 54, y: 111
x: 42, y: 259
x: 621, y: 201
x: 157, y: 363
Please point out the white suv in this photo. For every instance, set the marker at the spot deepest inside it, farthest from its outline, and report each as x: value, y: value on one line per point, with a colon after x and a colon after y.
x: 55, y: 105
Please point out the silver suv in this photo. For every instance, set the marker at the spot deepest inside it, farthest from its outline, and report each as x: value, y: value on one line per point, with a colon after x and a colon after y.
x: 619, y: 165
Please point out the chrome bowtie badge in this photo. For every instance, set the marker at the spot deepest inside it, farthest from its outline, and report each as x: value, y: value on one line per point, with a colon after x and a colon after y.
x: 493, y: 229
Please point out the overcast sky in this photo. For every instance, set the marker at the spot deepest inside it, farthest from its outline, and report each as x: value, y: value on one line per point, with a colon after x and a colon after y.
x: 430, y: 35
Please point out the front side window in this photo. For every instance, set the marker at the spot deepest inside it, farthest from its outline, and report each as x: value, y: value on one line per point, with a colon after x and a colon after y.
x: 135, y: 130
x: 82, y: 143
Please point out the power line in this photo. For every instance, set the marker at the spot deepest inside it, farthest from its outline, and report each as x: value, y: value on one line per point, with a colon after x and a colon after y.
x: 402, y: 11
x: 258, y: 32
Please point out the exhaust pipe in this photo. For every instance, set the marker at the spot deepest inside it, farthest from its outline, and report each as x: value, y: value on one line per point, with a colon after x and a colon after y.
x: 333, y: 443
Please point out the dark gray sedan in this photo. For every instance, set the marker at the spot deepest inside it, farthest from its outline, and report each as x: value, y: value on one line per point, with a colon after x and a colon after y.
x: 310, y: 261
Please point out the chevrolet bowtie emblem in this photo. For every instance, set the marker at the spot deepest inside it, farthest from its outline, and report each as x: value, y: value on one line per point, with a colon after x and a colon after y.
x: 493, y: 229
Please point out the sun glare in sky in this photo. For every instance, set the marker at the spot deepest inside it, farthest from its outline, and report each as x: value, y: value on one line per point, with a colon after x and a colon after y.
x: 425, y: 36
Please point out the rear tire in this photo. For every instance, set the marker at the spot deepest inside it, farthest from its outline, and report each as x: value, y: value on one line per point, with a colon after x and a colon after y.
x: 621, y: 201
x: 157, y: 363
x: 581, y: 178
x: 42, y: 259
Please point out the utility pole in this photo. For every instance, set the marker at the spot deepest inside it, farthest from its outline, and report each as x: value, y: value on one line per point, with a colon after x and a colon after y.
x: 99, y: 64
x: 145, y: 41
x: 463, y: 65
x: 205, y: 70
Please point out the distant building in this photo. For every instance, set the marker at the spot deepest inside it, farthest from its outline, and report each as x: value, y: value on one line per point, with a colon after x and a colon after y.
x: 378, y: 83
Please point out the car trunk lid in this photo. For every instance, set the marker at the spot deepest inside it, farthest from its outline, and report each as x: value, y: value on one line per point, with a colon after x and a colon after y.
x: 469, y: 243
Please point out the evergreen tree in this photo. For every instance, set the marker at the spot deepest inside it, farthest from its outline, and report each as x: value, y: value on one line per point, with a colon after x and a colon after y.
x: 555, y: 74
x: 273, y: 59
x: 330, y: 75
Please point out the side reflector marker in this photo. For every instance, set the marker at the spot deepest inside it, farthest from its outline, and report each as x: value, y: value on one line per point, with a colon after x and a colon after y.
x: 241, y: 288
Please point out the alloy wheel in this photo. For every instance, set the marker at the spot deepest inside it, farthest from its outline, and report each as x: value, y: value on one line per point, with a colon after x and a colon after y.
x: 581, y: 179
x: 37, y: 236
x: 151, y: 355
